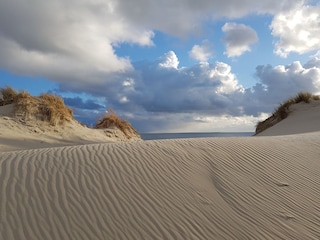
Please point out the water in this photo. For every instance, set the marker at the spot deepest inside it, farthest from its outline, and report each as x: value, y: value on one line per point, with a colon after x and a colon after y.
x: 154, y: 136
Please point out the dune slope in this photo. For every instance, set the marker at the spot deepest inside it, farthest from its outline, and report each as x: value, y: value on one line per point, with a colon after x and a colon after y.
x: 303, y: 118
x: 226, y: 188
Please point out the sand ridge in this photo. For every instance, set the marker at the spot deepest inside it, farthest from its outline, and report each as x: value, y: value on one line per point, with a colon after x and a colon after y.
x: 226, y: 188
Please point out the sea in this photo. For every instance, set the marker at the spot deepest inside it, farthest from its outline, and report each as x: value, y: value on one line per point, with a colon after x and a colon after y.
x: 155, y: 136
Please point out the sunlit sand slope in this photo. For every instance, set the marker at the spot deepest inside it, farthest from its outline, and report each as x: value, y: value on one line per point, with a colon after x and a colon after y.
x: 228, y: 188
x: 303, y: 118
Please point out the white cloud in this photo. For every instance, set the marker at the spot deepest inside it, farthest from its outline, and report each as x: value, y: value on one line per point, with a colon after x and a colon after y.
x: 128, y: 83
x: 73, y: 41
x: 227, y: 123
x: 201, y: 53
x: 238, y: 38
x: 123, y: 99
x: 193, y: 122
x: 297, y: 30
x: 169, y: 60
x: 201, y: 88
x: 229, y: 83
x: 65, y: 41
x: 281, y: 82
x: 203, y: 96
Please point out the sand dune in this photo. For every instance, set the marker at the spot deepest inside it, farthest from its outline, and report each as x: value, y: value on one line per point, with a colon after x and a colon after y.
x: 303, y: 118
x: 264, y: 187
x: 17, y: 133
x: 225, y: 188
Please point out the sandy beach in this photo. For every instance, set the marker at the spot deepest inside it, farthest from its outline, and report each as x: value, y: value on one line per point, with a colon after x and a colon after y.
x: 262, y: 187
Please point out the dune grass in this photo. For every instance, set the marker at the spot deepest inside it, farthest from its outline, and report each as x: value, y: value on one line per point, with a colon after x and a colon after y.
x: 283, y: 110
x: 111, y: 119
x: 46, y: 107
x: 8, y: 95
x: 51, y: 108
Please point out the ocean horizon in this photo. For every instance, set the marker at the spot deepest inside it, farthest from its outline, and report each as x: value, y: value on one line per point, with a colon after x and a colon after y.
x: 155, y: 136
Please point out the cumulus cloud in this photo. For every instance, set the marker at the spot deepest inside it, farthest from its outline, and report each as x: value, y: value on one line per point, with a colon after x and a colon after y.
x: 158, y: 98
x: 201, y: 53
x: 169, y: 60
x: 280, y: 82
x: 65, y: 41
x: 297, y: 30
x: 161, y: 86
x: 238, y: 38
x: 73, y: 41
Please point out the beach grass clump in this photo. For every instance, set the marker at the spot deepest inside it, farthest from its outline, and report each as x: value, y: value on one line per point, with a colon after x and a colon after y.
x: 8, y: 95
x: 305, y: 97
x: 54, y: 110
x: 46, y: 107
x: 110, y: 119
x: 283, y: 110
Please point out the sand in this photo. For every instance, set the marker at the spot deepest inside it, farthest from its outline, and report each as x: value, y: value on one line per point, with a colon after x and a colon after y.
x: 18, y: 134
x: 303, y: 118
x: 264, y: 187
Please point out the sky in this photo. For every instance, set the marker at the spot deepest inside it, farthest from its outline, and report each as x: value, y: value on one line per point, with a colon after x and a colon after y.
x: 165, y: 66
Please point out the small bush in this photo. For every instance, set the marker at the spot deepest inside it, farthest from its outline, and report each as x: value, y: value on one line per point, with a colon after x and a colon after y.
x: 110, y: 119
x: 283, y: 111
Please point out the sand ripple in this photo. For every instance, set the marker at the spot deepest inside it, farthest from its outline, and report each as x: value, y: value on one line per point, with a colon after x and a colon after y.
x: 228, y: 188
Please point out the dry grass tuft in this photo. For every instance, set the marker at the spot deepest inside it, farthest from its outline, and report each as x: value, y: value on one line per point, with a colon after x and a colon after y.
x: 112, y: 120
x: 283, y: 111
x: 305, y: 97
x: 46, y: 107
x: 8, y: 95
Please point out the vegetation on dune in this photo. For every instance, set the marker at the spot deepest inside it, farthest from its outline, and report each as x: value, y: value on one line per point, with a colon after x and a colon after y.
x: 283, y: 110
x: 51, y: 108
x: 8, y: 95
x: 46, y: 107
x: 110, y: 119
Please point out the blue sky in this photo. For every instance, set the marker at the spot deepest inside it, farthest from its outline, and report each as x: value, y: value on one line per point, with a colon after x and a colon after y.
x: 166, y: 66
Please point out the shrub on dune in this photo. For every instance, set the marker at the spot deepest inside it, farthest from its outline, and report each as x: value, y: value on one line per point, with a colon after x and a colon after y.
x: 111, y: 119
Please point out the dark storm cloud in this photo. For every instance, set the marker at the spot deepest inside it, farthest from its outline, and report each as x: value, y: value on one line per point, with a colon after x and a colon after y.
x: 78, y: 102
x: 183, y: 16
